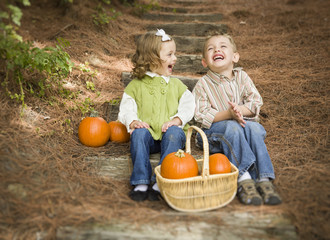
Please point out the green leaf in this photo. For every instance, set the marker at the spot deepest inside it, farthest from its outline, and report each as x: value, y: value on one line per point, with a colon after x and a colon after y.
x: 16, y: 14
x: 26, y: 2
x: 4, y: 15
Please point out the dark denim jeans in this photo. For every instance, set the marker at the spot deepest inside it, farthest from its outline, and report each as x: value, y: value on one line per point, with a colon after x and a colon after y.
x: 244, y: 147
x: 142, y: 145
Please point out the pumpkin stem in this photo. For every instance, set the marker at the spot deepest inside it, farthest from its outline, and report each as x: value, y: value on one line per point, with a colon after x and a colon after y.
x: 180, y: 153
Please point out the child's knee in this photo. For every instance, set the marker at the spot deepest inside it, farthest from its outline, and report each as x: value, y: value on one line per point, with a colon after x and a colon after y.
x: 174, y: 133
x: 255, y: 128
x: 140, y: 134
x: 233, y: 128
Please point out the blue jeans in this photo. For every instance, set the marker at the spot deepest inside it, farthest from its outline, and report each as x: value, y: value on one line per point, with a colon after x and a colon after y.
x: 142, y: 145
x: 244, y: 147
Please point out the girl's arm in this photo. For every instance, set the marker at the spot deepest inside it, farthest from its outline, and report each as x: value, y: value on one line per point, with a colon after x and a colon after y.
x: 127, y: 111
x: 185, y: 111
x: 186, y: 108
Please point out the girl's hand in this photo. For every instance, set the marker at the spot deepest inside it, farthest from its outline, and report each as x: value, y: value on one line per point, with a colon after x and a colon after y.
x: 174, y: 122
x: 236, y: 113
x: 137, y: 124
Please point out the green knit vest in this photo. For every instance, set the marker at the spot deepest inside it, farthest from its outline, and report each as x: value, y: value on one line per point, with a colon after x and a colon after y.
x: 156, y: 101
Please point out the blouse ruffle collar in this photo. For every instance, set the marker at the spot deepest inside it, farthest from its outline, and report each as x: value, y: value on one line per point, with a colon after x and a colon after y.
x: 152, y: 74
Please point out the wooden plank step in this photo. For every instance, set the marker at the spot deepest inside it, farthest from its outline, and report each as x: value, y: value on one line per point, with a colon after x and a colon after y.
x: 189, y: 29
x: 189, y: 81
x: 185, y: 2
x: 186, y: 9
x: 185, y: 44
x: 189, y: 64
x: 206, y: 17
x: 189, y: 45
x: 234, y: 221
x: 229, y: 225
x: 120, y: 167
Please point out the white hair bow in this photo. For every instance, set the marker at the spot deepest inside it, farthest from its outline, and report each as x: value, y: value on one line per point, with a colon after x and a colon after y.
x: 165, y: 37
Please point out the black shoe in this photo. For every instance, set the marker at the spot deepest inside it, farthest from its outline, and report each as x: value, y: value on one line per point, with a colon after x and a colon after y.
x: 138, y: 196
x: 153, y: 195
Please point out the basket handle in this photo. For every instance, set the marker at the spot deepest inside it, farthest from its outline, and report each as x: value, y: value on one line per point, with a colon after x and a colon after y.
x: 205, y: 168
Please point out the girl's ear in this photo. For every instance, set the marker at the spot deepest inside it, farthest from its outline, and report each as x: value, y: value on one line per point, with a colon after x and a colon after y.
x: 204, y: 63
x: 236, y: 57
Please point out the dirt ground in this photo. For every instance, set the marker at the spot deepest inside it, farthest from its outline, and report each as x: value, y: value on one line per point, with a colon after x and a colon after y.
x: 284, y: 47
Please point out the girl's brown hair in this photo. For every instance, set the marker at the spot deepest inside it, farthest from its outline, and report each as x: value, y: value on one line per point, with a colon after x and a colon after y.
x: 146, y: 56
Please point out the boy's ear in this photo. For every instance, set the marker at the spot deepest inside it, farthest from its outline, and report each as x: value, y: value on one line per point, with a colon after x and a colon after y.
x: 204, y: 63
x: 236, y: 57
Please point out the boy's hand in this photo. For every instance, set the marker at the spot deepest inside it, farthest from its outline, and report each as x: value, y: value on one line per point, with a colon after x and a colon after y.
x: 137, y: 124
x: 174, y: 122
x: 236, y: 113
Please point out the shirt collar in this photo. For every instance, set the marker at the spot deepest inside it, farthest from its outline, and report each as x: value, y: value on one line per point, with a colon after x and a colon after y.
x: 219, y: 77
x: 152, y: 74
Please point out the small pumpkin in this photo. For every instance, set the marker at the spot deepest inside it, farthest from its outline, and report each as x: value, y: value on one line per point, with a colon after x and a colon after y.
x: 219, y: 163
x: 178, y: 165
x: 118, y: 132
x: 93, y: 131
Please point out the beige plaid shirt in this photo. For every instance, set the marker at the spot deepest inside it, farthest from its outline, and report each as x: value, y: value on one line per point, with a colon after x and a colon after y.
x: 213, y: 91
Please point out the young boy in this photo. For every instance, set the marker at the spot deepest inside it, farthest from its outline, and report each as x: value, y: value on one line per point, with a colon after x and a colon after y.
x: 227, y: 107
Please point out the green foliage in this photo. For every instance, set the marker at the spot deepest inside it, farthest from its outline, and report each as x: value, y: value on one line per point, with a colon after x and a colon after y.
x: 52, y: 63
x: 86, y: 106
x: 42, y: 73
x: 141, y: 8
x: 64, y: 2
x: 115, y: 101
x: 103, y: 16
x: 90, y: 85
x: 106, y: 2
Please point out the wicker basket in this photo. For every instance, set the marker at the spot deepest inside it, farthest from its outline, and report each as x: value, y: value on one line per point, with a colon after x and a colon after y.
x: 200, y: 193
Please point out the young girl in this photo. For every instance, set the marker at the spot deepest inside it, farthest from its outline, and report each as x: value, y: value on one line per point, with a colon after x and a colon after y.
x: 155, y: 109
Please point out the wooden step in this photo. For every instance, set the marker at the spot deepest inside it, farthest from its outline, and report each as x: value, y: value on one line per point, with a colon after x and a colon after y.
x: 225, y: 223
x: 189, y: 45
x: 185, y: 2
x: 233, y: 221
x: 186, y: 9
x: 189, y: 64
x: 185, y: 44
x: 189, y: 29
x: 190, y: 82
x: 179, y: 17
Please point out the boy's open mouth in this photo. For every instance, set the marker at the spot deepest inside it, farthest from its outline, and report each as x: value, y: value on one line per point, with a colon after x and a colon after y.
x: 218, y: 57
x: 170, y: 67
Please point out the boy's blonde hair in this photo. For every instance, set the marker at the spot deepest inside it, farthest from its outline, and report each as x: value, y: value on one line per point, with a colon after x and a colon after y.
x: 147, y: 55
x: 215, y: 34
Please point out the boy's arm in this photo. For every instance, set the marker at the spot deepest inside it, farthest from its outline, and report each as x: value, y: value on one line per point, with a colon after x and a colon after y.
x: 252, y: 101
x: 204, y: 113
x: 223, y: 115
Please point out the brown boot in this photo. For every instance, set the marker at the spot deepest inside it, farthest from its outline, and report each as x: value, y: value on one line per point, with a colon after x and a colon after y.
x: 247, y: 193
x: 268, y: 193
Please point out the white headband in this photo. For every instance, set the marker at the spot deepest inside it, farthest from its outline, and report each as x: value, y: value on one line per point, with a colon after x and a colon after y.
x: 161, y: 33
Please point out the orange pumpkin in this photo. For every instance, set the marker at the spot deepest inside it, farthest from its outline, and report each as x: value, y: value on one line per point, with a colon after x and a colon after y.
x: 93, y: 131
x: 179, y: 165
x: 118, y: 132
x: 219, y: 163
